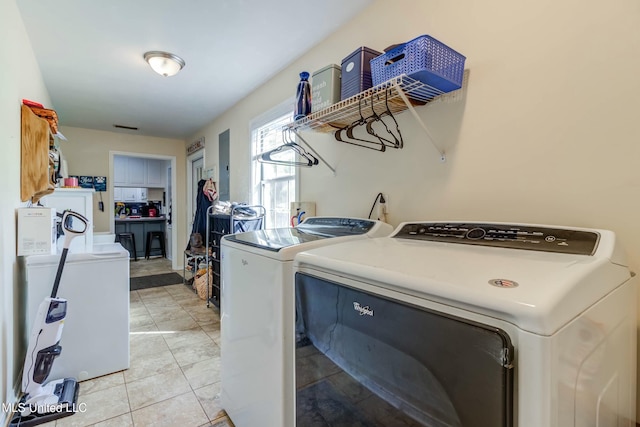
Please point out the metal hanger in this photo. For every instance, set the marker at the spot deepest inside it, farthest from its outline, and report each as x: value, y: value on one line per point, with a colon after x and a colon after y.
x: 266, y: 157
x: 290, y: 144
x: 287, y: 136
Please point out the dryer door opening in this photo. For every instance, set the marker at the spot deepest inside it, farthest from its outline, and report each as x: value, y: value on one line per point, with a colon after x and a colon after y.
x: 363, y: 359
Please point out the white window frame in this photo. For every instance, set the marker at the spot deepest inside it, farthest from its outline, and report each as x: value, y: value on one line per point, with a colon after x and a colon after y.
x: 257, y: 183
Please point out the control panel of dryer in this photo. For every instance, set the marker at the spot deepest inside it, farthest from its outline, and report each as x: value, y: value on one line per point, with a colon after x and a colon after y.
x: 336, y: 226
x: 528, y: 237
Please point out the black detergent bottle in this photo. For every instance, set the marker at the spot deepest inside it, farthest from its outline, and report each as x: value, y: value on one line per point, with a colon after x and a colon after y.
x: 303, y: 97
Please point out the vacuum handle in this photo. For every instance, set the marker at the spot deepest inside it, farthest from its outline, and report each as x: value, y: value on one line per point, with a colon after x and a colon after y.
x: 74, y: 225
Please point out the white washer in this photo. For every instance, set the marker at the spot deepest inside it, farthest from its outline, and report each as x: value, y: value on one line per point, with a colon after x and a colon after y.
x: 472, y: 324
x: 257, y: 314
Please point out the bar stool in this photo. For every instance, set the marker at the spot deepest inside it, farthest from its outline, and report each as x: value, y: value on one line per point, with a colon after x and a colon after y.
x: 130, y: 238
x: 154, y: 235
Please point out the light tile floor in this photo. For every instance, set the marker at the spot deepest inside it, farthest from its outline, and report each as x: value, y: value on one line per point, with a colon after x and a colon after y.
x: 174, y: 373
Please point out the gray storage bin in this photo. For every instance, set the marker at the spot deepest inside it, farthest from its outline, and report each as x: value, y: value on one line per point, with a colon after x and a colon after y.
x: 325, y: 87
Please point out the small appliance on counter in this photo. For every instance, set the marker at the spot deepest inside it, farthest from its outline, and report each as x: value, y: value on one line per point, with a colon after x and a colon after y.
x: 135, y: 209
x: 151, y: 209
x: 121, y: 210
x: 138, y: 210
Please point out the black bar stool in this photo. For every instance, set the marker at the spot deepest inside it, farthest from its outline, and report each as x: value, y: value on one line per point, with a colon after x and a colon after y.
x: 151, y: 235
x: 130, y: 238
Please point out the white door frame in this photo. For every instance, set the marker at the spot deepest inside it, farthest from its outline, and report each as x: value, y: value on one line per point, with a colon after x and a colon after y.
x: 190, y: 184
x: 169, y: 202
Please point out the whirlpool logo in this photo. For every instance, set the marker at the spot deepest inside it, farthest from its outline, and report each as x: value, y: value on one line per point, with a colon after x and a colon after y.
x: 364, y: 311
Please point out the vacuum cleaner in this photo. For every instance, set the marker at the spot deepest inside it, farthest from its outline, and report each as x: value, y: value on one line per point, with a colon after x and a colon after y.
x: 40, y: 402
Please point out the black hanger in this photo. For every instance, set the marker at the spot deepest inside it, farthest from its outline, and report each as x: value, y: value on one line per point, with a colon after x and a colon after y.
x: 376, y: 145
x: 395, y: 143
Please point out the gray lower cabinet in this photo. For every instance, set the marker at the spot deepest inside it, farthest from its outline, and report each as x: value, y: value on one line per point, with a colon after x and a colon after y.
x: 140, y: 230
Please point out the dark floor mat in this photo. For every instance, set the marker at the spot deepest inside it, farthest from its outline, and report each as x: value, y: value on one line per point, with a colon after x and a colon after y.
x: 153, y: 281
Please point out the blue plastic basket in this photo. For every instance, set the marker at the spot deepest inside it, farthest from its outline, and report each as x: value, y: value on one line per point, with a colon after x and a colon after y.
x: 423, y: 58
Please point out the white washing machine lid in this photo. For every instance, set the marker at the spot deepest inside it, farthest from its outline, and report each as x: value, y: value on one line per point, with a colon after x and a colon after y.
x: 538, y: 291
x: 274, y: 239
x: 285, y: 243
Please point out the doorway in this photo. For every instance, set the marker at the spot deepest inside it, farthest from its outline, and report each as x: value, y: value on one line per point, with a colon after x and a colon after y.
x: 195, y: 167
x: 163, y: 192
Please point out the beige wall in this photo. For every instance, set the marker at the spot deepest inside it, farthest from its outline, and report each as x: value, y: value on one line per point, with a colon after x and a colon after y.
x: 87, y: 152
x: 546, y: 131
x: 19, y: 78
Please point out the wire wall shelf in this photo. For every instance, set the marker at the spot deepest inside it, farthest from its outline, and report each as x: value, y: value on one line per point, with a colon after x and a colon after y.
x: 399, y: 94
x: 394, y: 96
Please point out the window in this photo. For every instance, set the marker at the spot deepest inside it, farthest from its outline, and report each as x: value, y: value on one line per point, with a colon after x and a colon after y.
x: 274, y: 186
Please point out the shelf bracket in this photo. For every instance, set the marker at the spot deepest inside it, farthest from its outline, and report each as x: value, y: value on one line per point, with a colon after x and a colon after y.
x: 443, y: 157
x: 315, y: 153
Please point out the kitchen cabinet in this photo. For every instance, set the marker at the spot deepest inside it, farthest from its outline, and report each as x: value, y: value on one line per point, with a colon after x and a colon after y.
x: 138, y: 172
x: 120, y: 171
x: 35, y: 171
x: 137, y: 169
x: 156, y: 170
x: 130, y: 194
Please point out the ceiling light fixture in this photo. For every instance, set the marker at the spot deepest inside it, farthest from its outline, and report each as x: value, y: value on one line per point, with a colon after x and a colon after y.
x: 164, y: 63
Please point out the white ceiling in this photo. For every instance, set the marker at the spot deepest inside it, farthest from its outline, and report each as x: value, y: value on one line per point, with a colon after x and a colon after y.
x: 90, y: 55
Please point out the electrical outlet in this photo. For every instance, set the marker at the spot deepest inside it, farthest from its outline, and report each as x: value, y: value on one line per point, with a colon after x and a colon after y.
x: 386, y: 203
x: 382, y: 208
x: 299, y: 211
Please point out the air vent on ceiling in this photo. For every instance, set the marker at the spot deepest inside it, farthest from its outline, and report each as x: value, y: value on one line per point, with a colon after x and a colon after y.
x: 125, y: 127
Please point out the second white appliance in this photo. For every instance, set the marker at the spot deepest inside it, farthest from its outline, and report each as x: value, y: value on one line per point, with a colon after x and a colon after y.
x: 79, y: 200
x: 96, y: 330
x: 468, y: 324
x: 258, y: 314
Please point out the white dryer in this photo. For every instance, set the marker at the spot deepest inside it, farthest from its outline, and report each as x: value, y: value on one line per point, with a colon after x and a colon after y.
x: 257, y: 314
x: 467, y: 324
